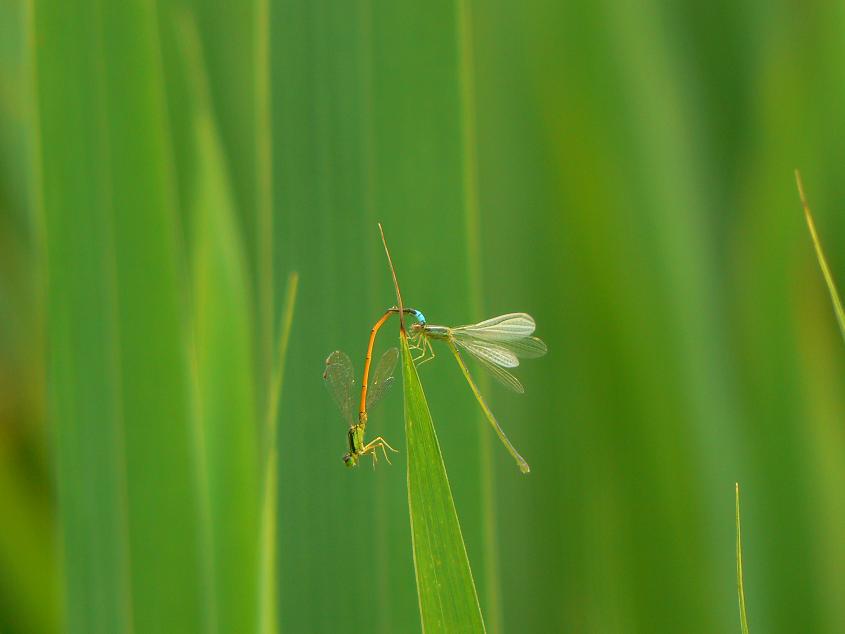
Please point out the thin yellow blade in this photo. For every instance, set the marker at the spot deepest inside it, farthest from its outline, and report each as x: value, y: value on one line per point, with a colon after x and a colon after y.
x: 828, y: 277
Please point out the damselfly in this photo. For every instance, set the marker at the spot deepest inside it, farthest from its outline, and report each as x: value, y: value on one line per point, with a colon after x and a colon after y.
x: 498, y: 343
x: 340, y: 381
x: 362, y: 409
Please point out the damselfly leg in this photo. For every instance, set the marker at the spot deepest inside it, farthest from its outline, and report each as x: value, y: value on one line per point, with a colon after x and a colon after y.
x: 372, y: 448
x: 426, y: 350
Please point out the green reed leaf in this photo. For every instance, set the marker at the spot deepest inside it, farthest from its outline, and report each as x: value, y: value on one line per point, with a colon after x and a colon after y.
x: 226, y: 429
x: 445, y: 586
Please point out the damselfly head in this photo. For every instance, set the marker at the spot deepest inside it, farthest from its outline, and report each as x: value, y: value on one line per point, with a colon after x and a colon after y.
x: 350, y: 459
x: 418, y: 315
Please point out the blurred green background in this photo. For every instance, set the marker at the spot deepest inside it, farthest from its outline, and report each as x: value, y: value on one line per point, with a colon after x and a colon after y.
x: 620, y: 170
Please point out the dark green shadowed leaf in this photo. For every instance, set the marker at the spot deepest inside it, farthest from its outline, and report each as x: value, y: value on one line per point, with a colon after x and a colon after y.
x: 447, y: 597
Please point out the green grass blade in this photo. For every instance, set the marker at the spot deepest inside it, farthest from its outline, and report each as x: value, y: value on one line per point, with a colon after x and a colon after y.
x: 268, y: 613
x: 278, y: 375
x: 445, y: 587
x: 264, y: 196
x: 743, y: 618
x: 119, y: 396
x: 472, y: 221
x: 226, y: 412
x: 268, y: 577
x: 828, y: 276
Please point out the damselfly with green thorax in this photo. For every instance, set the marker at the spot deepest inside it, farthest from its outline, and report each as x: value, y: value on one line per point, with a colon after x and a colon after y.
x: 340, y: 381
x: 498, y: 343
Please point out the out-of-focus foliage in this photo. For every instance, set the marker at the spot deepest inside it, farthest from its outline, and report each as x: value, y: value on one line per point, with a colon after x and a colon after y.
x: 633, y: 170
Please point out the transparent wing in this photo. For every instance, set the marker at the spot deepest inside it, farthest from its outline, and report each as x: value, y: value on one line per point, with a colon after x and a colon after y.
x: 511, y: 332
x: 495, y: 353
x: 526, y: 348
x: 382, y: 377
x: 339, y: 378
x: 501, y: 328
x: 520, y: 461
x: 502, y: 376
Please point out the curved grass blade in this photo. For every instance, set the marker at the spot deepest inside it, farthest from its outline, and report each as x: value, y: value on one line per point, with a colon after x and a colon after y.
x: 445, y: 587
x: 743, y: 618
x: 267, y: 571
x: 226, y: 434
x: 828, y: 276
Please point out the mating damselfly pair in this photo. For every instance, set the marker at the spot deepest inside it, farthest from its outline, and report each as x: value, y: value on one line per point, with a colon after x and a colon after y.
x: 497, y: 343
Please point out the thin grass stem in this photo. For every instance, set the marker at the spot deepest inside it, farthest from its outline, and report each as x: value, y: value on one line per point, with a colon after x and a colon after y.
x: 267, y: 574
x: 828, y: 276
x: 740, y: 587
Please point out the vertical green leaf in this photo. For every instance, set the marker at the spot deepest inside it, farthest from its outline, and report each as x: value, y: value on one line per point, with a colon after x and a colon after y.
x: 226, y: 429
x: 472, y: 220
x: 118, y: 351
x: 445, y: 587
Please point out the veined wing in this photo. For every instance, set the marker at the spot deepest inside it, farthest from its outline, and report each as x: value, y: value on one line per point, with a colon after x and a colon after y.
x: 523, y: 348
x: 502, y: 376
x: 501, y: 328
x: 526, y: 348
x: 382, y: 377
x: 339, y: 378
x: 495, y: 353
x: 520, y: 461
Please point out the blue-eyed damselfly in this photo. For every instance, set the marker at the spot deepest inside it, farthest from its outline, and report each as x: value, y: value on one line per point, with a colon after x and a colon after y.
x: 498, y: 343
